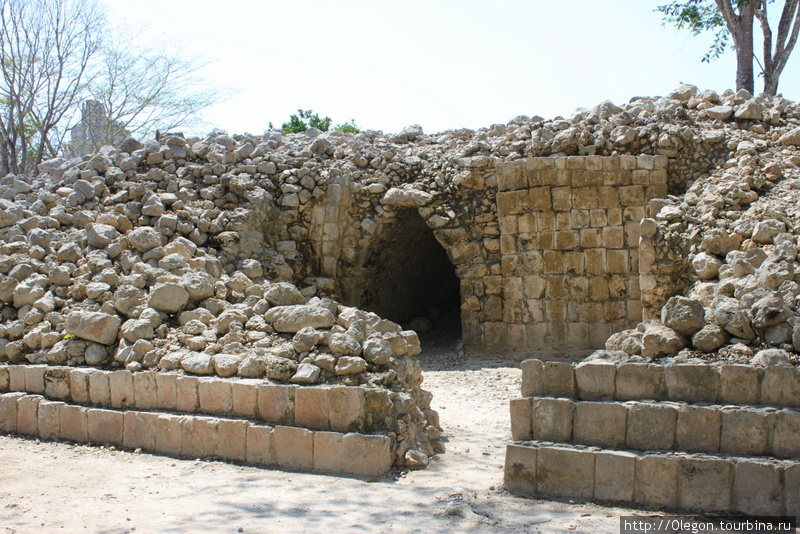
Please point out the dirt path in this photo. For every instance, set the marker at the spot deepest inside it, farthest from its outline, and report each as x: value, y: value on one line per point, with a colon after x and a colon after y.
x: 59, y: 487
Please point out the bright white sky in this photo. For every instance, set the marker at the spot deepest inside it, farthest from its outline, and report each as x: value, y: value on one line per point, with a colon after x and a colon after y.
x: 443, y: 64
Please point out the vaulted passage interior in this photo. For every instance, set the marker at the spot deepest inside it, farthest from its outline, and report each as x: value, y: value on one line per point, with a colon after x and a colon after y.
x: 408, y: 274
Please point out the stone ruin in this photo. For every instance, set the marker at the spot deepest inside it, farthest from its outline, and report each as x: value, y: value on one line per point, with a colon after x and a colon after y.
x: 246, y: 293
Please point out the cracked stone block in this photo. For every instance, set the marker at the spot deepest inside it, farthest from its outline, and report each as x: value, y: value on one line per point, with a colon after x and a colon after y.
x: 145, y: 395
x: 276, y: 403
x: 166, y: 391
x: 347, y: 406
x: 199, y: 437
x: 99, y: 388
x: 28, y: 414
x: 364, y: 455
x: 79, y: 385
x: 74, y: 425
x: 120, y: 385
x: 596, y: 380
x: 520, y: 469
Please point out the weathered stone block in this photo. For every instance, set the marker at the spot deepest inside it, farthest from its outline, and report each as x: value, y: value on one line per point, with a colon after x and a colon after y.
x: 28, y: 414
x: 199, y: 437
x: 791, y: 488
x: 294, y: 447
x: 169, y: 434
x: 740, y: 384
x: 367, y: 456
x: 636, y: 381
x: 74, y: 424
x: 347, y: 407
x: 145, y: 392
x: 520, y: 469
x: 532, y: 378
x: 328, y: 452
x: 34, y: 378
x: 8, y: 411
x: 600, y: 423
x: 186, y: 394
x: 564, y: 472
x: 614, y: 476
x: 56, y: 383
x: 79, y: 385
x: 704, y: 484
x: 105, y: 426
x: 521, y: 423
x: 99, y: 388
x: 4, y: 378
x: 244, y: 394
x: 780, y: 386
x: 698, y: 429
x: 232, y: 439
x: 552, y: 419
x: 744, y: 431
x: 692, y: 382
x: 259, y: 445
x: 276, y: 403
x: 311, y: 408
x: 651, y: 426
x: 215, y: 396
x: 16, y: 378
x: 786, y: 434
x: 140, y: 430
x: 120, y: 385
x: 49, y: 419
x: 166, y: 391
x: 596, y: 380
x: 758, y: 488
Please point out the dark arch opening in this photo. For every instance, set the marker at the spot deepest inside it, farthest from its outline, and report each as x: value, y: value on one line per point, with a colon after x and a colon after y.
x: 409, y: 279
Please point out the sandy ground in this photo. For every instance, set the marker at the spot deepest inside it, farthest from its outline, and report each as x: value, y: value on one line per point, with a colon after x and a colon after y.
x: 62, y: 487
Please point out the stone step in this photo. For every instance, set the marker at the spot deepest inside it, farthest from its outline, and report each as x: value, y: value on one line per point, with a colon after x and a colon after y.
x: 199, y: 436
x: 651, y: 425
x: 673, y: 480
x: 337, y: 408
x: 686, y: 382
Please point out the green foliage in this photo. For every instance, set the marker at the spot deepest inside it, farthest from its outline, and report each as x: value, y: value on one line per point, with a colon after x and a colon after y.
x: 69, y: 336
x: 698, y: 16
x: 348, y: 127
x: 306, y: 119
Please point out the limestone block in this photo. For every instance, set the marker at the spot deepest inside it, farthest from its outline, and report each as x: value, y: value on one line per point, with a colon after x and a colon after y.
x: 259, y: 445
x: 786, y: 434
x: 637, y: 381
x: 791, y: 488
x: 120, y: 385
x: 521, y: 423
x: 215, y: 396
x: 8, y: 411
x: 105, y: 426
x: 276, y: 403
x: 244, y: 395
x: 145, y: 390
x: 232, y: 439
x: 758, y: 488
x: 140, y: 430
x: 740, y: 384
x: 600, y: 423
x: 780, y: 386
x: 744, y: 431
x: 365, y: 455
x: 328, y: 452
x: 520, y: 469
x: 34, y: 378
x: 552, y: 419
x: 651, y: 426
x: 28, y: 414
x: 49, y: 423
x: 698, y: 428
x: 16, y: 378
x: 56, y: 383
x: 79, y: 385
x: 74, y: 424
x: 692, y: 382
x: 186, y: 393
x: 199, y: 437
x: 564, y: 472
x: 169, y: 434
x: 705, y: 484
x: 294, y: 447
x: 99, y: 388
x: 347, y: 408
x: 4, y: 379
x: 166, y: 391
x: 311, y: 407
x: 614, y: 476
x: 596, y: 380
x: 532, y: 378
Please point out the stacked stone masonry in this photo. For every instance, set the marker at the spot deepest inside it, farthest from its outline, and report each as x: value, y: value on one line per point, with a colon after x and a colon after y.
x: 689, y: 436
x: 322, y: 429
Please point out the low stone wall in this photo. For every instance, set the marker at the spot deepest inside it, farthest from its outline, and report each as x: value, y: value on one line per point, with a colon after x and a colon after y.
x: 691, y: 436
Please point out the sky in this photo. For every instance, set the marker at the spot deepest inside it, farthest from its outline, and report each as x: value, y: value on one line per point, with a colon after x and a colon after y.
x: 443, y: 64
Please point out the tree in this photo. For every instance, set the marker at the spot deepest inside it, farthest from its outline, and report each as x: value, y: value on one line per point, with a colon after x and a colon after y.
x: 46, y: 48
x: 306, y: 119
x: 734, y: 20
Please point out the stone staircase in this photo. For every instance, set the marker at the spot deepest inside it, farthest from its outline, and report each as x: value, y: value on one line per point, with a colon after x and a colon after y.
x: 702, y: 437
x: 339, y: 430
